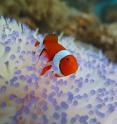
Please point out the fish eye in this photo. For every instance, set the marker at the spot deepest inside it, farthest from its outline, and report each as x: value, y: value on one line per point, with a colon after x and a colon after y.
x: 67, y: 59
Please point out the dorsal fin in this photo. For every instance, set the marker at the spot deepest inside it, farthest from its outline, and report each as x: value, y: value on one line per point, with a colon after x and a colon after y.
x: 51, y: 38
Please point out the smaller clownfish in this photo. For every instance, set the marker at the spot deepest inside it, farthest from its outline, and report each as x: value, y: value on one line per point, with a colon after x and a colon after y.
x: 58, y: 57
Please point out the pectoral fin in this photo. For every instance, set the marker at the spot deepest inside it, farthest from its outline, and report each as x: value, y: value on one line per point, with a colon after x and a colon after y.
x: 44, y: 52
x: 45, y: 69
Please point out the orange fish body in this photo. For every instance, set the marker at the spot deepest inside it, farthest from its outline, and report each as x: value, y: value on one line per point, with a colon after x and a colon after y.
x: 61, y: 58
x: 52, y: 46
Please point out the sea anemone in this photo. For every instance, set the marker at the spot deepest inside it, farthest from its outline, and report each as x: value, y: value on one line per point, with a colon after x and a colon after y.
x: 87, y: 97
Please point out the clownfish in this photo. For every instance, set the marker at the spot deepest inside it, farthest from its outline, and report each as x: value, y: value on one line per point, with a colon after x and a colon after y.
x: 58, y: 56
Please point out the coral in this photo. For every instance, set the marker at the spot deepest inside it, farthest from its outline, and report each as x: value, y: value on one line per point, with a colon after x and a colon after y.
x: 37, y: 12
x: 106, y: 10
x: 87, y: 97
x: 101, y: 36
x: 87, y: 6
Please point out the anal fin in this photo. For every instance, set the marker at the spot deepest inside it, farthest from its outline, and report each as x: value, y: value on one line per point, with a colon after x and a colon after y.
x: 36, y: 43
x: 56, y: 75
x: 44, y: 52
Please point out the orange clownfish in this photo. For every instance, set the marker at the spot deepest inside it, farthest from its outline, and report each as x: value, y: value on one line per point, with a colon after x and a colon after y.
x: 58, y: 57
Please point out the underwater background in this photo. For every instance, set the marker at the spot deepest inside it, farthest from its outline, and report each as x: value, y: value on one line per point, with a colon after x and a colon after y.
x: 91, y: 21
x: 89, y: 29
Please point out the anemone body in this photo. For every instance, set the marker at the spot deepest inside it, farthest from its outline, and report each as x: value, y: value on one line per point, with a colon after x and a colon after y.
x: 87, y: 97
